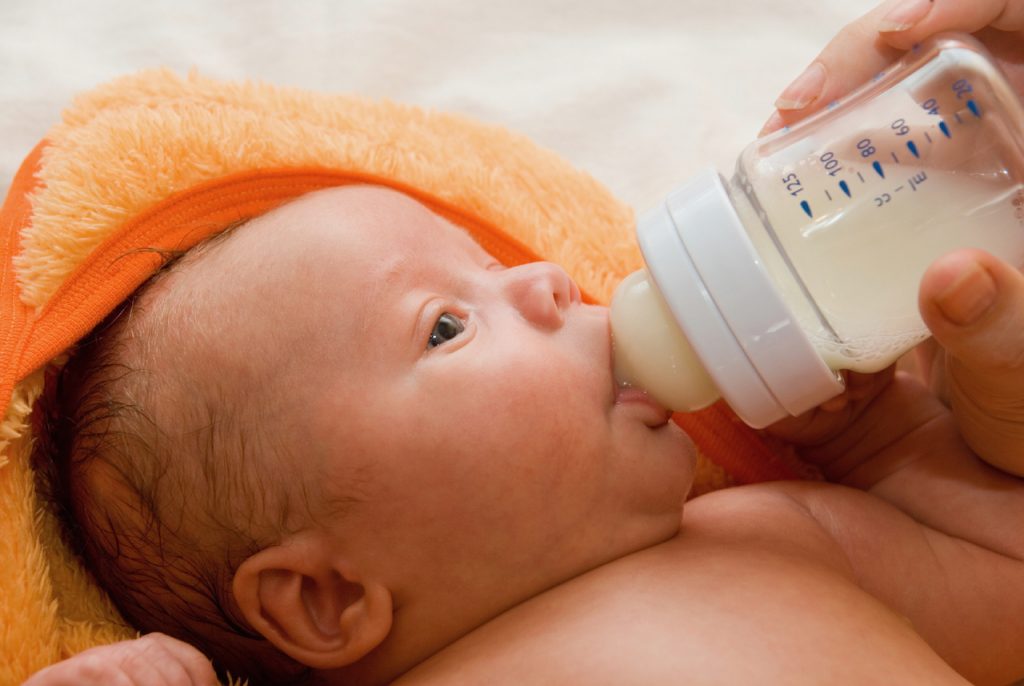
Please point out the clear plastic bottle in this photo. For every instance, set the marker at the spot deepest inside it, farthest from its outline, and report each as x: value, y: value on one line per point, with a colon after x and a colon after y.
x: 808, y: 260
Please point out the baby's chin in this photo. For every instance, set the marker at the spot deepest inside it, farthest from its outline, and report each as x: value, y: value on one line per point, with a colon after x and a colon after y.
x: 687, y: 453
x: 668, y: 458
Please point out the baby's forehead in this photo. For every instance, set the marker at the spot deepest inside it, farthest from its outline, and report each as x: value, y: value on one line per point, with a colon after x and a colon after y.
x: 291, y: 293
x: 333, y: 255
x: 366, y: 220
x: 311, y: 251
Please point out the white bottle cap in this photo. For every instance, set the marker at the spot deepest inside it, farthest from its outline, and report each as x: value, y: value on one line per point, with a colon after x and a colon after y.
x: 720, y: 294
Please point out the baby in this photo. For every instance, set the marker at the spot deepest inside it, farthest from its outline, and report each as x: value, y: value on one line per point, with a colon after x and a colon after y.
x: 470, y: 487
x: 446, y: 486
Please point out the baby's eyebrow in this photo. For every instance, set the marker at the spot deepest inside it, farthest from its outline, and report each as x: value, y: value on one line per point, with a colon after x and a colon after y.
x: 466, y: 238
x: 478, y: 251
x: 381, y: 283
x: 394, y: 268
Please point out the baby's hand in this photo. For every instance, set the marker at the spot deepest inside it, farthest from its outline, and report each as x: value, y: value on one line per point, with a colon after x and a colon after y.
x: 836, y: 416
x: 876, y: 40
x: 974, y: 306
x: 153, y: 660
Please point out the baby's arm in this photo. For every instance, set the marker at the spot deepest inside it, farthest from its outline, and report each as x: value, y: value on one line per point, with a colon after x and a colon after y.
x: 153, y: 660
x: 955, y: 566
x: 938, y: 535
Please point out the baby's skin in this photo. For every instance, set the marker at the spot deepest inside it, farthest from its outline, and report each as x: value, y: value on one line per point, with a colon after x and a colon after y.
x: 514, y: 517
x: 549, y: 524
x: 518, y: 520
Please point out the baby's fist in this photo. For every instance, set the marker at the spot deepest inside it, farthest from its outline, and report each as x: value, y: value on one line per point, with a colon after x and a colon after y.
x: 153, y: 660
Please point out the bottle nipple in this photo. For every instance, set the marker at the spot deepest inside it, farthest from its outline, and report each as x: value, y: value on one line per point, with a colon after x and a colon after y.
x: 651, y: 352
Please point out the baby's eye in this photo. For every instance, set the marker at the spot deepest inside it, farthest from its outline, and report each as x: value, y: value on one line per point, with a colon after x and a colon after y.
x: 448, y: 326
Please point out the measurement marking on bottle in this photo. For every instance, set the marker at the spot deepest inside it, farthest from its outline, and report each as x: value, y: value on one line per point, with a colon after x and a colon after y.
x: 945, y: 129
x: 878, y: 168
x: 806, y: 206
x: 912, y: 147
x: 973, y: 107
x: 927, y: 137
x: 845, y: 188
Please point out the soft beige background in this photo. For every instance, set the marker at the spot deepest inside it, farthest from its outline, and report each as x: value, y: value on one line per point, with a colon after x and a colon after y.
x: 639, y: 92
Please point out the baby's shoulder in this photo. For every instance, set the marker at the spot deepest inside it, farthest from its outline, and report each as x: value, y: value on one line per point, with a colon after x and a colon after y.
x: 758, y: 505
x: 749, y: 591
x: 788, y: 517
x: 817, y: 519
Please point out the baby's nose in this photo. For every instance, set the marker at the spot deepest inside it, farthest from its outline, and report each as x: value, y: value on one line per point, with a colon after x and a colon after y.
x: 541, y: 292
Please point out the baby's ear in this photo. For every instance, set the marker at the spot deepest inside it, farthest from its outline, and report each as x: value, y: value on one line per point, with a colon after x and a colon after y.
x: 308, y: 601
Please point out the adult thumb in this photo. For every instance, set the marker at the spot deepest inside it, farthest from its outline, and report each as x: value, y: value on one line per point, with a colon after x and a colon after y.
x: 974, y: 305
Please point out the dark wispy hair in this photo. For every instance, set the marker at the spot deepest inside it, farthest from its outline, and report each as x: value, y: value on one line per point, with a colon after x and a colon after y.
x: 156, y: 569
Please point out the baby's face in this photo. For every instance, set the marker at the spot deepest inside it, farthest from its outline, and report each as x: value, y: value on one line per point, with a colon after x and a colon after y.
x: 470, y: 406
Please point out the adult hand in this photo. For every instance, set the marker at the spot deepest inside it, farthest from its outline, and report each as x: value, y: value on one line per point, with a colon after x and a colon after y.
x: 873, y: 42
x: 974, y: 305
x: 977, y: 368
x: 153, y: 660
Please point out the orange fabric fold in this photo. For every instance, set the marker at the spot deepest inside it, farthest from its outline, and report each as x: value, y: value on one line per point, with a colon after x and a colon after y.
x: 130, y: 256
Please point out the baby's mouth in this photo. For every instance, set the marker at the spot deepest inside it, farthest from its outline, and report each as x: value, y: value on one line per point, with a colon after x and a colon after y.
x: 627, y: 391
x: 651, y: 412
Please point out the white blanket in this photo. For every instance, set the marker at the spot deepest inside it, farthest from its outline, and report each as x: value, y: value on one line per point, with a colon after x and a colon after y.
x: 641, y: 93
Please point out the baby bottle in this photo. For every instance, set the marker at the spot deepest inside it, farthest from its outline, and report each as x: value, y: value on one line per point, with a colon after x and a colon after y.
x: 807, y: 261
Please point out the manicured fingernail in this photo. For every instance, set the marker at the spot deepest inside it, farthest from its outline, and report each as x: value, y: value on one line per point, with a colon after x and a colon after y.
x: 969, y: 297
x: 804, y: 90
x: 905, y: 15
x: 774, y: 123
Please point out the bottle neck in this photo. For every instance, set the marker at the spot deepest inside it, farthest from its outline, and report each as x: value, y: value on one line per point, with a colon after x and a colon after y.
x: 650, y: 350
x: 711, y: 277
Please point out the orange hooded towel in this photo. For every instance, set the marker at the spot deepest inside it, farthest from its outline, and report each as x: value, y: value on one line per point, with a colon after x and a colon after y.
x: 157, y: 160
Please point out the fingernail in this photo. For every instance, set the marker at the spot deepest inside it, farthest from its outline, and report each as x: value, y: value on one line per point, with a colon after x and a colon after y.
x: 774, y: 123
x: 969, y: 297
x: 804, y: 90
x: 905, y: 16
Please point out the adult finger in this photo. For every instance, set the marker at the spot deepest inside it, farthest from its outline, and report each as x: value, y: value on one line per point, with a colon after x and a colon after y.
x: 974, y: 305
x: 907, y: 22
x: 871, y: 43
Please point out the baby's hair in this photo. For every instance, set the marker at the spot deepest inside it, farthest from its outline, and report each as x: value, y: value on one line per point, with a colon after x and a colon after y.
x: 122, y: 444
